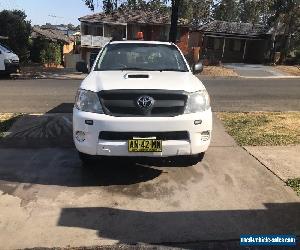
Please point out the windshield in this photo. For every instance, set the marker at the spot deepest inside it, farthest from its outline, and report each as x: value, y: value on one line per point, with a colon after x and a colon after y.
x: 5, y: 49
x: 133, y: 56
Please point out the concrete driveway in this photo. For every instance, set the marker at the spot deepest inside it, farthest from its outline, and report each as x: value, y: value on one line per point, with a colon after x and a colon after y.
x: 254, y: 70
x: 48, y: 200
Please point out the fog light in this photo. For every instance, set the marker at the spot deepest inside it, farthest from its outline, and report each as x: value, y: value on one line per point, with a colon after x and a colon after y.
x: 80, y: 136
x: 205, y: 135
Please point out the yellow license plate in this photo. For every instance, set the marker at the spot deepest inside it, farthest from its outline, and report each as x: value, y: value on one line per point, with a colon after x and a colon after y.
x: 144, y: 145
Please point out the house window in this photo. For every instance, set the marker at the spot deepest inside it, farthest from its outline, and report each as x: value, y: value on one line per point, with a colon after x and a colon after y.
x: 99, y: 31
x: 178, y: 35
x: 214, y: 43
x: 235, y: 45
x: 210, y: 43
x: 164, y: 34
x: 218, y: 44
x: 85, y: 29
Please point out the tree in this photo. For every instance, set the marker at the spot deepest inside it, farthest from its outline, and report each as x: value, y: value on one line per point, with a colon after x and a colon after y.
x: 110, y: 5
x: 13, y: 24
x: 174, y: 20
x: 158, y: 5
x: 253, y: 11
x: 286, y: 15
x: 249, y: 11
x: 90, y: 4
x: 153, y: 5
x: 197, y: 12
x: 134, y: 4
x: 51, y: 54
x: 226, y: 10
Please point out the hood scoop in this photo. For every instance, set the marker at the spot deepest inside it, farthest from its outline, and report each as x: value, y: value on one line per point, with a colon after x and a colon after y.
x: 136, y: 76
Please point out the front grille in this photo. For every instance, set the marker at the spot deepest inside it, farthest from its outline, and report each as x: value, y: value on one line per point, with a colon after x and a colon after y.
x: 124, y: 136
x: 124, y: 102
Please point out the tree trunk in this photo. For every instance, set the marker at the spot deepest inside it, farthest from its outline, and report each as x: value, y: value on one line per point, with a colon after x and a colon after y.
x: 285, y: 43
x: 174, y: 20
x: 273, y: 43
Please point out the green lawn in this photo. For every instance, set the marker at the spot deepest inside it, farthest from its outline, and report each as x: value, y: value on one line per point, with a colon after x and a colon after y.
x: 294, y: 184
x: 263, y: 128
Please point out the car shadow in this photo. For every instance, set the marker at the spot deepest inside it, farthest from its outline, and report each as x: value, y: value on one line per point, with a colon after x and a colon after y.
x: 62, y: 167
x: 61, y: 108
x: 5, y: 77
x: 116, y: 171
x: 40, y: 131
x: 46, y: 155
x: 167, y: 228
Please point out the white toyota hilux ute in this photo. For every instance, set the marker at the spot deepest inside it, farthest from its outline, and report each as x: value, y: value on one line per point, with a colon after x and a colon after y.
x: 141, y: 99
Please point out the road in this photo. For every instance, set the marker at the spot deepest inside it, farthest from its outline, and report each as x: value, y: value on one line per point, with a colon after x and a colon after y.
x: 40, y: 96
x: 254, y: 94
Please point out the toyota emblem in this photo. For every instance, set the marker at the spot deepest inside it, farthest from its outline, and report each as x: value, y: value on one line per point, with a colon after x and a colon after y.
x: 145, y: 102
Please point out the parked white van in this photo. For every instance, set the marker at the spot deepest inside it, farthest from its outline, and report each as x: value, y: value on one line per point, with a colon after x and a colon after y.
x: 9, y: 62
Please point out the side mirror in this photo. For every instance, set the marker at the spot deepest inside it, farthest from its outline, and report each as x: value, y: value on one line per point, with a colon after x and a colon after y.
x: 197, y: 68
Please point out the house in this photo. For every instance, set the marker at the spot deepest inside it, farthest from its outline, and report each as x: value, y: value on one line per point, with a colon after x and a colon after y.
x: 100, y: 28
x: 67, y: 30
x: 54, y: 35
x: 231, y: 42
x: 67, y: 43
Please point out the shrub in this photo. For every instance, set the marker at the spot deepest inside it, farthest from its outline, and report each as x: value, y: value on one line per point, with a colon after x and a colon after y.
x: 51, y: 54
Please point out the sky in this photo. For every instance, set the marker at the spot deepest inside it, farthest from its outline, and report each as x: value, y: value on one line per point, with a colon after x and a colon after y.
x: 42, y: 11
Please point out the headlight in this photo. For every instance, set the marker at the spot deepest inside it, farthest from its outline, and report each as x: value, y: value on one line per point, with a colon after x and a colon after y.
x: 197, y: 102
x: 8, y: 61
x: 88, y: 101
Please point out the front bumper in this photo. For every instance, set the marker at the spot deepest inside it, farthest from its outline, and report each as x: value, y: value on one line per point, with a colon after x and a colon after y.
x: 92, y: 145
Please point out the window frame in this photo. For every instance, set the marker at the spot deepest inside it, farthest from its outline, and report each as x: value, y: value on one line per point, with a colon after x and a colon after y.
x: 187, y: 67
